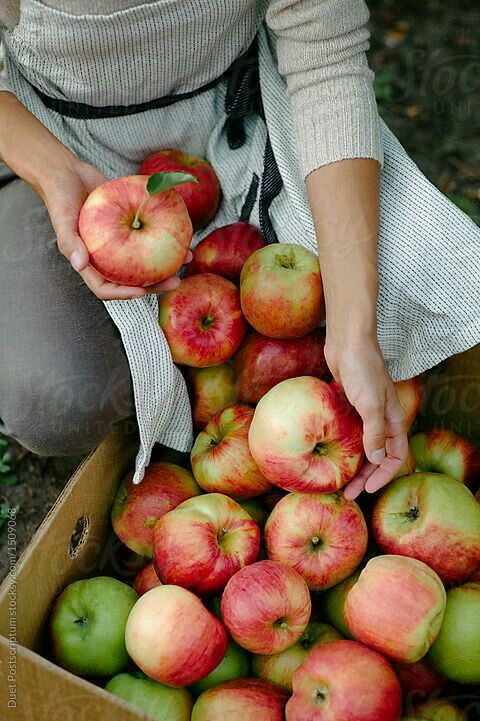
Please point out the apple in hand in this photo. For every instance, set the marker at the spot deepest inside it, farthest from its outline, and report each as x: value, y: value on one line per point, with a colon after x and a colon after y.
x: 323, y: 537
x: 344, y: 681
x: 443, y: 451
x: 221, y: 458
x: 456, y: 652
x: 281, y: 291
x: 280, y: 667
x: 431, y: 517
x: 246, y: 699
x: 158, y: 701
x: 211, y: 390
x: 440, y: 709
x: 201, y: 198
x: 396, y: 607
x: 203, y: 542
x: 411, y: 395
x: 87, y: 626
x: 260, y: 362
x: 225, y: 250
x: 266, y: 607
x: 137, y: 508
x: 136, y: 229
x: 418, y: 680
x: 173, y: 638
x: 332, y: 604
x: 235, y: 664
x: 146, y: 579
x: 306, y: 437
x: 202, y: 320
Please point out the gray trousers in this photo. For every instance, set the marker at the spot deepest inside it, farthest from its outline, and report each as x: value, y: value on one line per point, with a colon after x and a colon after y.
x: 64, y: 375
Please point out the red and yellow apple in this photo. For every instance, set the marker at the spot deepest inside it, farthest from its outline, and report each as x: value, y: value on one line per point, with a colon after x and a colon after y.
x: 396, y: 607
x: 221, y: 458
x: 146, y: 579
x: 201, y: 199
x: 322, y: 536
x: 137, y: 508
x: 202, y: 320
x: 225, y: 250
x: 281, y: 291
x: 411, y: 395
x: 344, y: 681
x: 260, y: 362
x: 266, y: 607
x: 431, y: 517
x: 245, y: 699
x: 173, y: 638
x: 440, y: 709
x: 211, y: 390
x: 443, y: 451
x: 130, y: 248
x: 203, y: 542
x: 306, y: 437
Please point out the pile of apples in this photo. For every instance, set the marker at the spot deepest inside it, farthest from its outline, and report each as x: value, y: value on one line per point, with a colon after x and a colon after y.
x: 265, y: 594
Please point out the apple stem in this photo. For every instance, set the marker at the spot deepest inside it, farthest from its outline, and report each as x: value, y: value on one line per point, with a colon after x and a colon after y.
x: 136, y: 224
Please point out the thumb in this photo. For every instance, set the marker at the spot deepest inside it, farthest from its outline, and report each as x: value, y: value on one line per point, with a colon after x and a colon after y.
x: 374, y: 433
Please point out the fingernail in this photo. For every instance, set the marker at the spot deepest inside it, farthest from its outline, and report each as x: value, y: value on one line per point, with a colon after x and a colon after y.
x: 76, y: 260
x: 378, y: 456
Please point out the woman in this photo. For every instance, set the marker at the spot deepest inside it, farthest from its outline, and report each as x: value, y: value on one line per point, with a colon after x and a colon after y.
x: 94, y: 86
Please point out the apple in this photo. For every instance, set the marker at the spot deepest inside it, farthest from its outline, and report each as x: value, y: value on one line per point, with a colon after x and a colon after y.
x: 306, y: 437
x: 201, y: 199
x: 173, y: 638
x: 456, y: 652
x: 260, y: 362
x: 137, y: 508
x: 418, y: 680
x: 202, y: 320
x: 158, y: 701
x: 332, y: 604
x: 280, y: 667
x: 408, y: 467
x: 135, y: 237
x: 211, y: 390
x: 246, y: 699
x: 344, y: 681
x: 146, y: 579
x: 440, y: 710
x: 443, y: 451
x: 396, y: 607
x: 225, y: 250
x: 235, y: 664
x: 257, y: 509
x: 323, y: 537
x: 411, y: 395
x: 203, y: 542
x: 431, y: 517
x: 281, y: 291
x: 266, y: 607
x: 87, y: 626
x: 221, y: 458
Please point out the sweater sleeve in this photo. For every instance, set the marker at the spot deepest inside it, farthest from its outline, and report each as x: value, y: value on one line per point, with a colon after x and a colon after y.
x: 321, y: 48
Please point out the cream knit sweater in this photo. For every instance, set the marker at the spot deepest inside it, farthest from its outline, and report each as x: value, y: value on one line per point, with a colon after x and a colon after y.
x: 320, y: 48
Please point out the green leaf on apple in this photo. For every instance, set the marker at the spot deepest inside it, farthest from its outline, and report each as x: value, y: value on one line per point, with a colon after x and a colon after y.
x: 160, y: 182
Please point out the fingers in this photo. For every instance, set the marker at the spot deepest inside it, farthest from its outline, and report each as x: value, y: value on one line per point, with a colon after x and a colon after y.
x: 373, y: 416
x: 73, y: 248
x: 355, y: 487
x: 189, y: 257
x: 396, y: 444
x: 105, y: 290
x: 168, y: 284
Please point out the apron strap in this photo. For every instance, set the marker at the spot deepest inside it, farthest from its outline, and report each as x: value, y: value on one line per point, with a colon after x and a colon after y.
x: 272, y: 184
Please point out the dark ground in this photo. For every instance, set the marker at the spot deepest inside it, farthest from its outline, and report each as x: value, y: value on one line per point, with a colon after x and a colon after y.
x: 426, y: 57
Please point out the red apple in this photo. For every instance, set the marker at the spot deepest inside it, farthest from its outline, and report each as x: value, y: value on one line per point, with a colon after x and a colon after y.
x: 433, y: 518
x: 396, y: 607
x: 411, y: 395
x: 203, y: 542
x: 211, y: 390
x: 266, y: 607
x: 245, y: 699
x: 419, y: 681
x: 130, y: 255
x: 173, y: 638
x: 344, y: 681
x: 440, y: 709
x: 225, y: 250
x: 201, y: 199
x: 137, y: 508
x: 221, y: 459
x: 262, y: 362
x: 279, y: 668
x: 306, y: 437
x: 323, y: 537
x: 146, y: 579
x: 443, y: 451
x: 202, y: 320
x: 281, y: 291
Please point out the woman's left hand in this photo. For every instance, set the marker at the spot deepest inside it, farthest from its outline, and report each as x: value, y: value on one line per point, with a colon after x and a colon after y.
x: 360, y: 370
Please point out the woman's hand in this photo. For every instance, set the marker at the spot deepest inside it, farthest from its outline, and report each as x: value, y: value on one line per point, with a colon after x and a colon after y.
x: 361, y: 371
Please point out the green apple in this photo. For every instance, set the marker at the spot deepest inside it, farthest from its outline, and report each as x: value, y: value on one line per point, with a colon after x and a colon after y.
x: 332, y: 603
x: 158, y: 701
x: 456, y: 652
x: 440, y: 710
x: 235, y: 664
x: 87, y: 626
